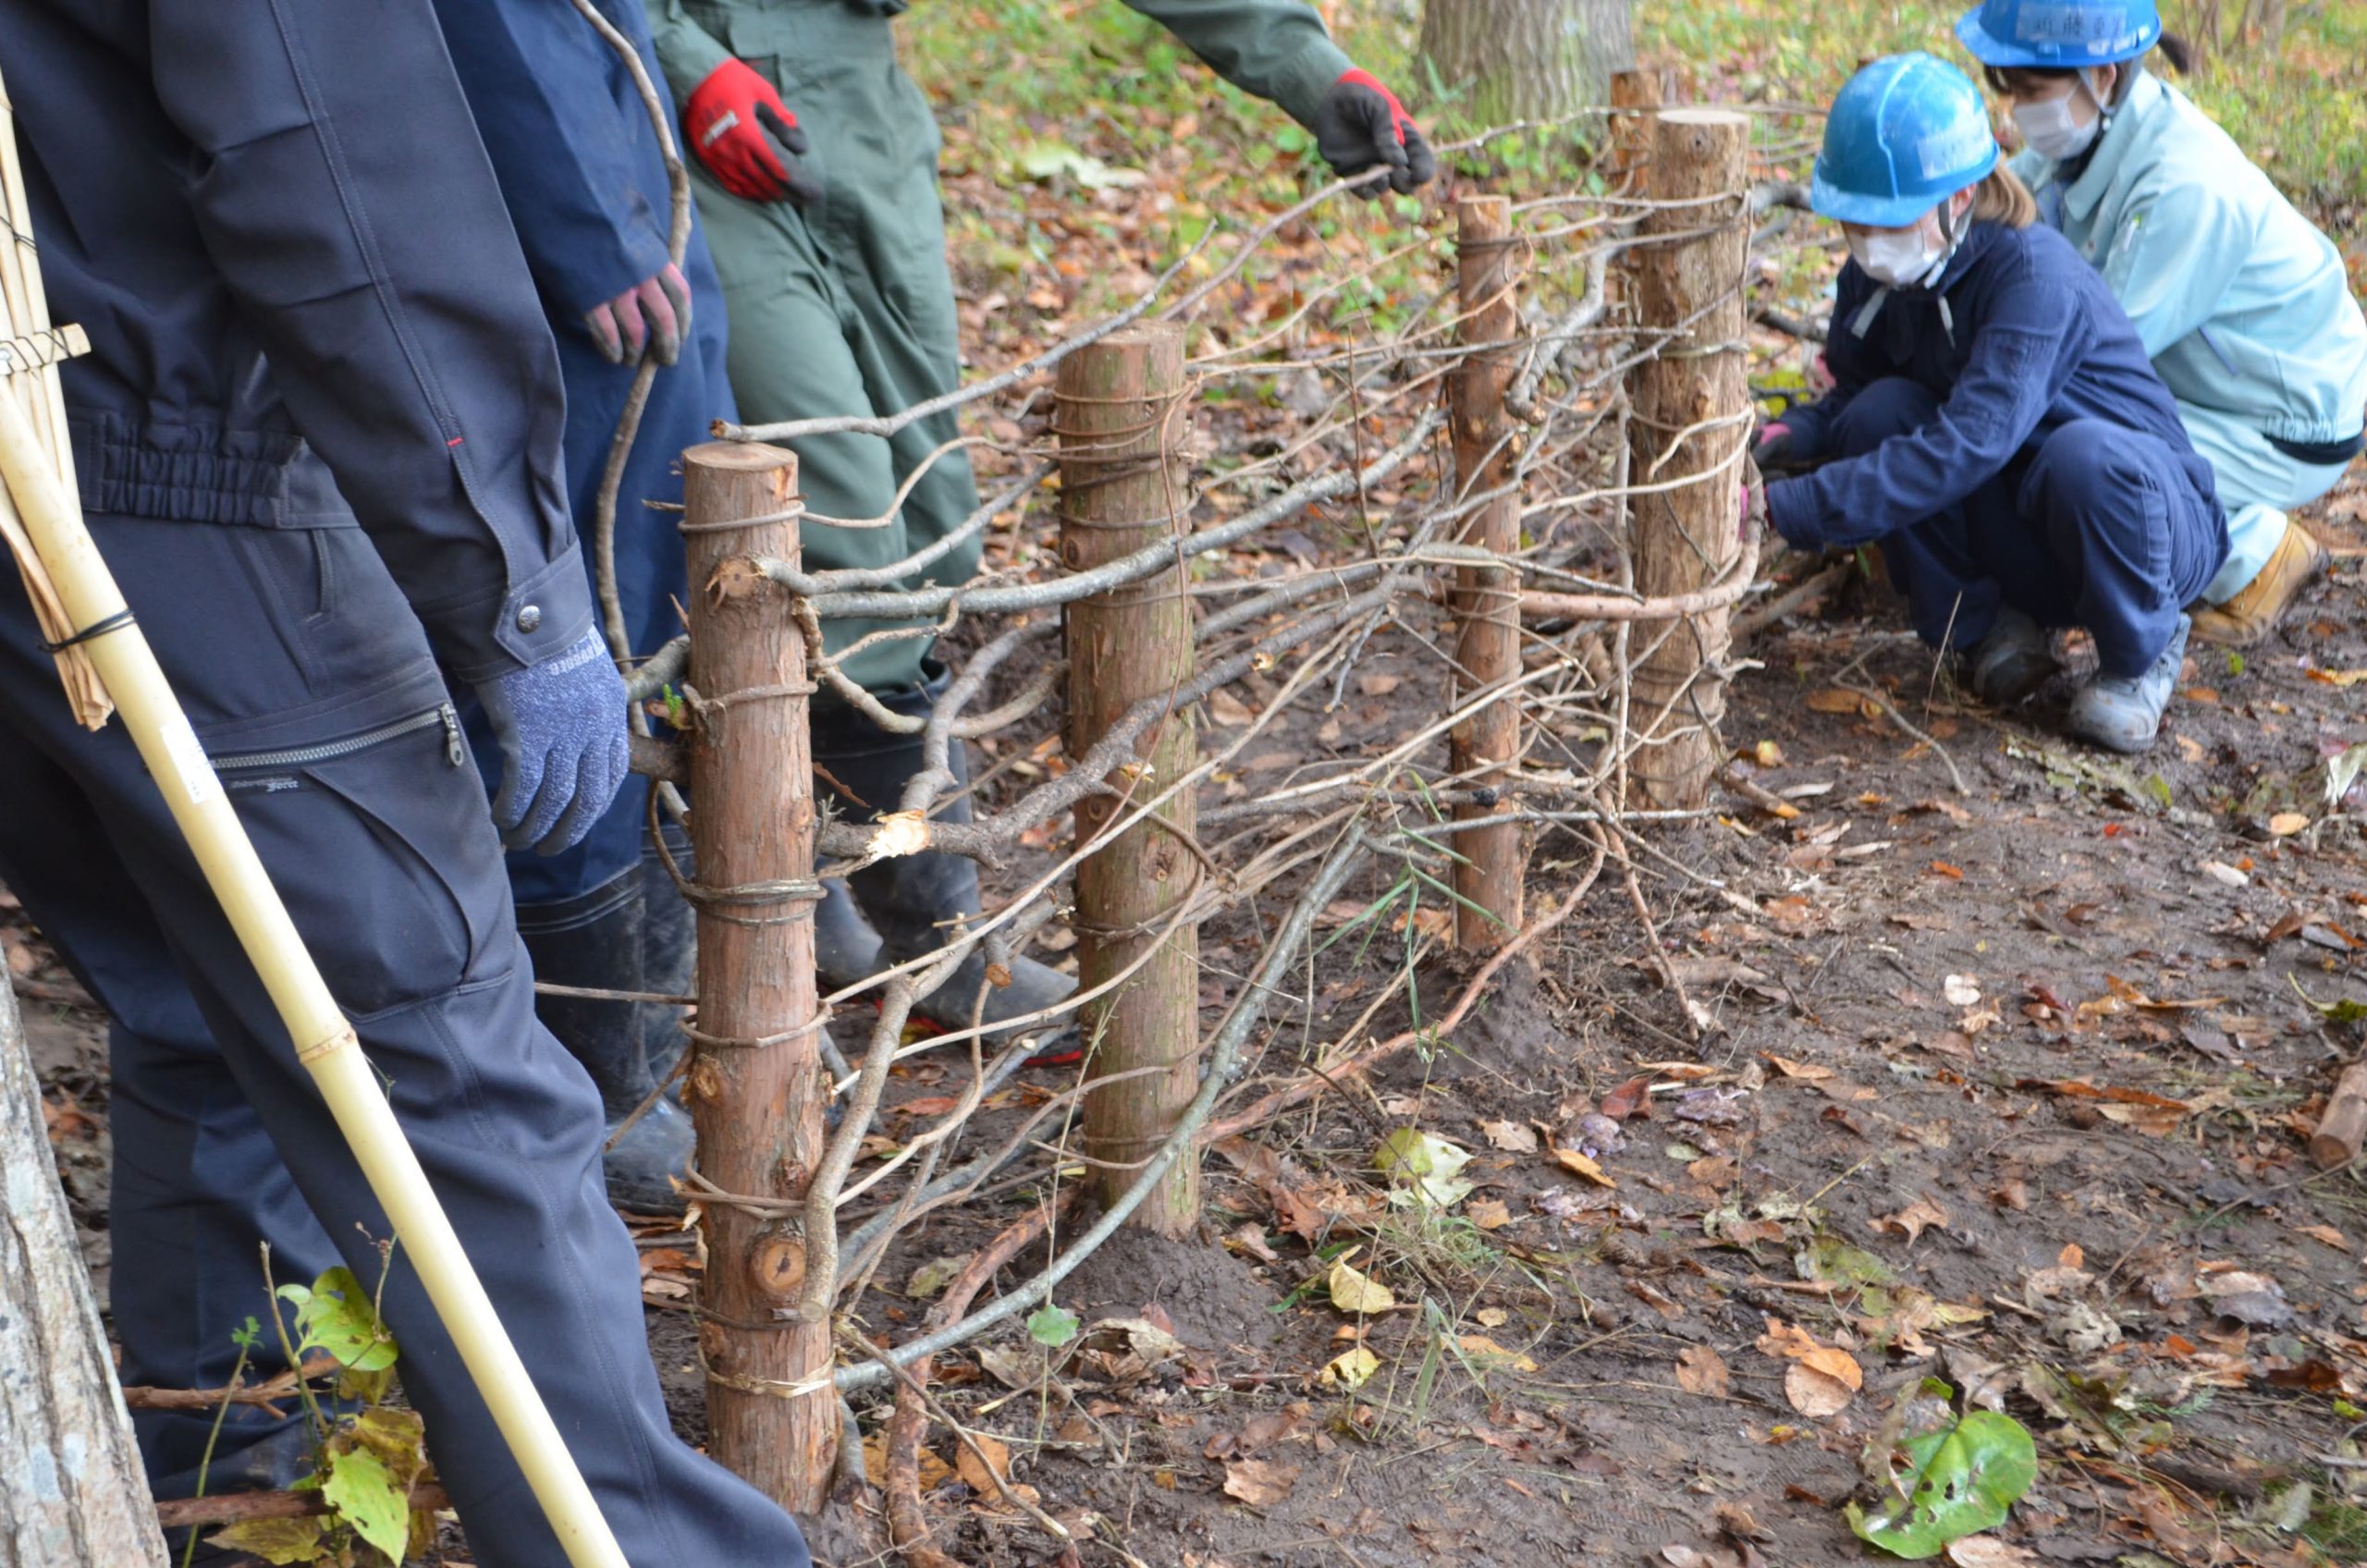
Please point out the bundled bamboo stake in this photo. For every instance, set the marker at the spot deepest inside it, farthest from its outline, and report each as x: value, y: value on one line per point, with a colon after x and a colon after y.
x: 33, y: 462
x: 30, y: 351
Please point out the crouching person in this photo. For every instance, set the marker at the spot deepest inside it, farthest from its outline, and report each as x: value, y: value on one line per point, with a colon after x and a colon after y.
x: 1994, y: 424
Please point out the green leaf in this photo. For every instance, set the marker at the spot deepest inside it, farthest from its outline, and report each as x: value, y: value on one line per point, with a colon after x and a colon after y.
x: 1051, y: 1326
x: 1051, y: 160
x: 337, y: 1315
x: 367, y: 1497
x: 1948, y: 1483
x: 1431, y: 1167
x: 245, y: 1338
x: 275, y: 1540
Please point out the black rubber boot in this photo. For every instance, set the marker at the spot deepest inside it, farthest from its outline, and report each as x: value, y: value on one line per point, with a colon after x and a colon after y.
x: 914, y: 903
x: 670, y: 952
x: 595, y: 939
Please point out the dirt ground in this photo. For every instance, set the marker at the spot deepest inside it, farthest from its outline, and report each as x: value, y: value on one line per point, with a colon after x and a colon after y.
x: 2000, y: 1061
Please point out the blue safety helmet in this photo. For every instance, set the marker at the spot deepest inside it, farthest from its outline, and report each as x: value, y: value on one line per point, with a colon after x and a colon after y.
x: 2059, y: 34
x: 1906, y: 134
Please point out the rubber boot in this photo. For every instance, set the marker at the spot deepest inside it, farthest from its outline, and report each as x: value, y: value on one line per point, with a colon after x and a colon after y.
x: 595, y: 939
x: 2123, y: 713
x: 2252, y: 614
x: 2012, y: 662
x: 914, y: 903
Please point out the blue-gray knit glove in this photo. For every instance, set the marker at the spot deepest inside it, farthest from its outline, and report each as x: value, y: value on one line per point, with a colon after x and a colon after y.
x: 561, y: 728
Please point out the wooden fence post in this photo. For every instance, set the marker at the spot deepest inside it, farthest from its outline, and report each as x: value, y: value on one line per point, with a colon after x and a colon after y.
x: 77, y: 1496
x: 1484, y: 750
x: 1636, y: 93
x: 1691, y: 416
x: 1122, y: 419
x: 756, y: 1089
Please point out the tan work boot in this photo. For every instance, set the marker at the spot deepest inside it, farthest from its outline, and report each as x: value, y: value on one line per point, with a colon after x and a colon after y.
x: 2253, y: 613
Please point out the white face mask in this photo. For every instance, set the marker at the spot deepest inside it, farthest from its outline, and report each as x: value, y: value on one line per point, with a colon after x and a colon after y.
x: 2053, y: 129
x: 1897, y: 260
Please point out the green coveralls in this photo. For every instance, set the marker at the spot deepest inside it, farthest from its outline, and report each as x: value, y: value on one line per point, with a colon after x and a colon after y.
x: 847, y: 306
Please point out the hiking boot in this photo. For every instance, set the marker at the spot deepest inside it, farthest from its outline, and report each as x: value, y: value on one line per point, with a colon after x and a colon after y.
x: 2123, y: 713
x: 914, y: 904
x: 2253, y: 613
x: 2012, y: 662
x: 594, y: 939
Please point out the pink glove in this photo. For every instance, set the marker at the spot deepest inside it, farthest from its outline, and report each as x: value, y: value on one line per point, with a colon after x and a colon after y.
x: 653, y: 314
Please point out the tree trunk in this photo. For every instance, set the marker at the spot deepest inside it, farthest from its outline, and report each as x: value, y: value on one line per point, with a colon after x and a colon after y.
x: 1507, y: 60
x: 76, y: 1494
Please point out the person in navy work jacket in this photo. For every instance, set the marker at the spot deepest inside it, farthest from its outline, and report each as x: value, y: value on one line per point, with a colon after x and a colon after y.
x: 584, y: 181
x: 1995, y: 424
x: 317, y: 440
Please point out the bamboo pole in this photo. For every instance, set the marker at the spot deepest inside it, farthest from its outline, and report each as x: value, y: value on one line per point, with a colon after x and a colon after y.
x: 1691, y: 417
x: 756, y: 1089
x: 1484, y: 750
x: 325, y: 1041
x: 1121, y: 421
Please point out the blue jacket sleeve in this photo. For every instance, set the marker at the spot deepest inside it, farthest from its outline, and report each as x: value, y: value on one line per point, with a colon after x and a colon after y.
x: 2023, y: 355
x: 572, y: 159
x: 340, y: 189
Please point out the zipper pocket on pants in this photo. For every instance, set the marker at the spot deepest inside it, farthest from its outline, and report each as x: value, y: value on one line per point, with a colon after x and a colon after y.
x: 328, y: 750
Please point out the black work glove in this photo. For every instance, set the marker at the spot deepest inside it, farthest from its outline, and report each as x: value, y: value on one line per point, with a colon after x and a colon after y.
x: 1779, y: 448
x: 1361, y: 127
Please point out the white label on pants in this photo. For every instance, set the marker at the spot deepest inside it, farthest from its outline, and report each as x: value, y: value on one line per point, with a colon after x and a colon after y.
x: 189, y: 761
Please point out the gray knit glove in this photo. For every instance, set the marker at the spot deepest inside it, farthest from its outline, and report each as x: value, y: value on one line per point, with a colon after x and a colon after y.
x: 561, y: 728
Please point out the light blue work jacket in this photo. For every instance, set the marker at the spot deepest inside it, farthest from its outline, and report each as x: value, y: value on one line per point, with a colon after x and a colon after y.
x: 2241, y: 302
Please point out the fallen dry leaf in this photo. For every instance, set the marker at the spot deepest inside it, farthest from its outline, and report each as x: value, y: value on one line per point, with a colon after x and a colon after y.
x: 1227, y: 709
x: 967, y: 1464
x: 1816, y: 1393
x: 1700, y: 1370
x: 1488, y: 1214
x: 1511, y: 1137
x: 1988, y: 1551
x: 1634, y: 1095
x: 1352, y: 1368
x: 1912, y: 1220
x: 1799, y: 1069
x: 1832, y: 699
x: 1260, y: 1483
x: 2327, y: 1234
x: 1572, y: 1160
x: 2284, y: 824
x: 1355, y: 1293
x: 1961, y: 990
x: 1487, y: 1352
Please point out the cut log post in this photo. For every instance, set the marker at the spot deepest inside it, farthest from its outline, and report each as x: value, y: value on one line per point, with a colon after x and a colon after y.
x: 1121, y: 420
x: 756, y: 1088
x: 2340, y: 1130
x: 76, y: 1495
x: 1691, y: 413
x: 1484, y: 749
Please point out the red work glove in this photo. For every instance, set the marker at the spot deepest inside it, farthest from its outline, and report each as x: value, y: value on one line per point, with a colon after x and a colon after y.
x: 747, y: 138
x: 1361, y: 126
x: 654, y: 313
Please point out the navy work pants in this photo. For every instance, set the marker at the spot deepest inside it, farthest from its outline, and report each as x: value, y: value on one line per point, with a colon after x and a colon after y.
x: 2092, y: 525
x: 311, y: 683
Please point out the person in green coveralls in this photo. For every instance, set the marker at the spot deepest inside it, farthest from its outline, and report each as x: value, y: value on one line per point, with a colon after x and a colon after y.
x: 815, y: 164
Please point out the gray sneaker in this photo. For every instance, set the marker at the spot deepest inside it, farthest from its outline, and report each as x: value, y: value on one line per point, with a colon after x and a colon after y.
x: 2123, y: 713
x: 2012, y: 662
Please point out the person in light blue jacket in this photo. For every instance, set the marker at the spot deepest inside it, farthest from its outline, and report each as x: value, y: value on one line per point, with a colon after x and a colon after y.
x: 2242, y: 303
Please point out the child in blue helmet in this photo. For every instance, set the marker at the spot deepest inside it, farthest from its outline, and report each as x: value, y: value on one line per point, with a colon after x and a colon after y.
x: 2241, y: 302
x: 1995, y: 424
